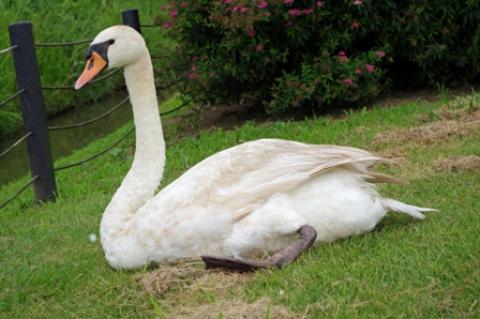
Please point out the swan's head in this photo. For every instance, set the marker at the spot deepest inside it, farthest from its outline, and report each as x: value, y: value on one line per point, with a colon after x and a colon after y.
x: 115, y: 47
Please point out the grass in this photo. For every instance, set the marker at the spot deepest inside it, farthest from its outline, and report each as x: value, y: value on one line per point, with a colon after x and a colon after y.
x: 58, y: 21
x: 405, y: 268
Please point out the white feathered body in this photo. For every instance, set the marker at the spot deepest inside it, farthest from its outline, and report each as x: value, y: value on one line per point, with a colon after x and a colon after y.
x: 251, y: 199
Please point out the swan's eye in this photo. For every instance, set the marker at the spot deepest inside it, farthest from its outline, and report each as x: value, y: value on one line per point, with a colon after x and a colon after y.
x: 111, y: 41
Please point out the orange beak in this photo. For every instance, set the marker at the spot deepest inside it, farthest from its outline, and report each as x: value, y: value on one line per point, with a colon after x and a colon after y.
x: 94, y: 66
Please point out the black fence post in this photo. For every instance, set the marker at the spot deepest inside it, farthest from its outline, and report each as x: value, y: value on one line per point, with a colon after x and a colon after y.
x: 33, y: 110
x: 132, y: 19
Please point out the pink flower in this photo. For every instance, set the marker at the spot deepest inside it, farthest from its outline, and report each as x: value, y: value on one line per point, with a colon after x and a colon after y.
x: 251, y: 33
x: 192, y: 76
x: 243, y: 9
x: 357, y: 2
x: 358, y: 71
x: 342, y: 57
x: 348, y: 81
x: 380, y: 54
x: 227, y: 1
x: 288, y: 1
x: 308, y: 11
x: 167, y: 25
x: 183, y: 4
x: 194, y: 68
x: 355, y: 25
x: 236, y: 8
x: 259, y: 47
x: 342, y: 53
x: 319, y: 4
x: 370, y: 68
x: 173, y: 13
x: 294, y: 12
x: 263, y: 4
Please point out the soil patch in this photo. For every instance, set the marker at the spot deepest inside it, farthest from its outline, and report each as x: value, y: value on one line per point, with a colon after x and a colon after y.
x: 457, y: 164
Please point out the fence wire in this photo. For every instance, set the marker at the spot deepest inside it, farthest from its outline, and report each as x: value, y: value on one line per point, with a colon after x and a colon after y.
x: 177, y: 108
x: 17, y: 193
x: 17, y: 142
x: 85, y: 160
x: 6, y: 50
x: 70, y: 87
x: 65, y: 127
x: 59, y: 168
x: 62, y: 44
x: 168, y: 85
x: 12, y: 97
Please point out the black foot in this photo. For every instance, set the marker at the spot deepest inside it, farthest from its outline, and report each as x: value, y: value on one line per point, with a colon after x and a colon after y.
x: 306, y: 238
x: 232, y: 264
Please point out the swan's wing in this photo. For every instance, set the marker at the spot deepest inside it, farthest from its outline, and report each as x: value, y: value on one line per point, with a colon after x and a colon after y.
x: 244, y: 176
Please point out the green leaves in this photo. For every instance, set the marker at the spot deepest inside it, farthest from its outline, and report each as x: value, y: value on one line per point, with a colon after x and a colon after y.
x: 255, y: 49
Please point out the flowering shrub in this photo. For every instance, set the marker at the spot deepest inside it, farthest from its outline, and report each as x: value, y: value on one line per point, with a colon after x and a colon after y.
x: 291, y: 52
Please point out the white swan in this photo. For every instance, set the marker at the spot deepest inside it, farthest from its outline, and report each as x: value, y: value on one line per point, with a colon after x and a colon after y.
x: 267, y: 195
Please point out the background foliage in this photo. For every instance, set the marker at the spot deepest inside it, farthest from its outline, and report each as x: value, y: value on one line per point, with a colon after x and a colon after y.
x: 290, y: 53
x: 58, y: 21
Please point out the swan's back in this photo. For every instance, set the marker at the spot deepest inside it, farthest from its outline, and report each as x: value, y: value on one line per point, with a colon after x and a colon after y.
x: 246, y: 175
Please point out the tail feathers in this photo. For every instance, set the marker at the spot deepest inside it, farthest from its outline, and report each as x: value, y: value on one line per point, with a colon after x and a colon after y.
x: 397, y: 206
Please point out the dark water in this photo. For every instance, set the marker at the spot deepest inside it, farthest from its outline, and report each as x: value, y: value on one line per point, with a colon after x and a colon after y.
x: 64, y: 142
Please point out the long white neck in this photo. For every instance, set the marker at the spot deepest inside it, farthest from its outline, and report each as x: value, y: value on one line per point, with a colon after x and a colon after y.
x: 140, y: 183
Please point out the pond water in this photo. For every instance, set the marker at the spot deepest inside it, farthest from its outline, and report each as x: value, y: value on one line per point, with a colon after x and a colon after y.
x: 64, y: 142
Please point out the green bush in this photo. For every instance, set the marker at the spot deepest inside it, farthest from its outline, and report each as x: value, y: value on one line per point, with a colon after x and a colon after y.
x: 289, y: 53
x: 58, y: 21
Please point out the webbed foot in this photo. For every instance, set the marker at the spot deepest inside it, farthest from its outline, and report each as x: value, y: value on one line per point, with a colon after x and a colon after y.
x: 306, y: 238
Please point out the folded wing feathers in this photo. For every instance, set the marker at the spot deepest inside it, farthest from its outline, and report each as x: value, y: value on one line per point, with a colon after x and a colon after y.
x: 242, y: 177
x: 267, y: 167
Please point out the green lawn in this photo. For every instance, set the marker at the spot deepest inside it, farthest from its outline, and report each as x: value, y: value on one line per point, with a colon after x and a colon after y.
x: 405, y: 268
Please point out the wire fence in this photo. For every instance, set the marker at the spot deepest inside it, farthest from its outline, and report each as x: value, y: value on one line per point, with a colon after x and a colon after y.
x: 9, y: 49
x: 12, y: 97
x: 93, y: 120
x: 185, y: 103
x: 61, y: 44
x: 70, y: 87
x: 15, y: 144
x: 92, y: 157
x: 152, y: 25
x: 32, y: 133
x: 166, y: 86
x: 18, y: 192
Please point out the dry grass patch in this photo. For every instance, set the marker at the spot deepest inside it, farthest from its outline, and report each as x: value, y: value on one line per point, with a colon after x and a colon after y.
x: 457, y: 164
x: 260, y: 309
x: 188, y: 278
x: 187, y: 290
x: 429, y: 133
x: 451, y: 121
x: 171, y: 276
